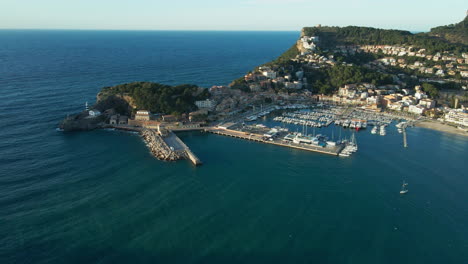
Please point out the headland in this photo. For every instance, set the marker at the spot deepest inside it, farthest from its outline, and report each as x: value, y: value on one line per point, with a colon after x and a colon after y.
x: 352, y: 77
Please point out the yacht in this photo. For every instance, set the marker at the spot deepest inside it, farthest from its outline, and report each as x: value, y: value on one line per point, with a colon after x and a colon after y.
x: 403, y: 188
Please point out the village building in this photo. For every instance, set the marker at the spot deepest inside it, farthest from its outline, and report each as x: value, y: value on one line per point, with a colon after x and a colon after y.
x: 205, y: 104
x: 143, y: 115
x: 123, y: 120
x: 459, y: 117
x: 416, y: 109
x: 427, y: 103
x: 114, y: 120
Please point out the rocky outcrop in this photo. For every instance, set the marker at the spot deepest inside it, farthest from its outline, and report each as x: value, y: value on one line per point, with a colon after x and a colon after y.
x: 81, y: 123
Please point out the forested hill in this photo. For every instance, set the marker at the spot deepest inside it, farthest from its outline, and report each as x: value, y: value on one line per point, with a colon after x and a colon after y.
x: 155, y: 97
x: 455, y: 33
x: 353, y: 35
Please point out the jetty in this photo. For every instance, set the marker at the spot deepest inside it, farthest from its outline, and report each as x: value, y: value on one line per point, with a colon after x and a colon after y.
x: 335, y: 150
x: 166, y: 145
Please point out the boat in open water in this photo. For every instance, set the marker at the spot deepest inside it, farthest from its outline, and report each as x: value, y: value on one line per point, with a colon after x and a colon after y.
x: 403, y: 188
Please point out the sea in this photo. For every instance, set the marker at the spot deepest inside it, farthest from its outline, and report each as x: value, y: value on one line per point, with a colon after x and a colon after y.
x: 100, y: 197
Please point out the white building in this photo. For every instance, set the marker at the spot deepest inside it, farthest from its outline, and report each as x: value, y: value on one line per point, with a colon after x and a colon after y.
x: 440, y: 73
x: 457, y: 117
x: 143, y: 115
x: 205, y: 104
x: 269, y: 74
x: 427, y: 103
x: 373, y: 100
x: 416, y: 109
x: 420, y: 95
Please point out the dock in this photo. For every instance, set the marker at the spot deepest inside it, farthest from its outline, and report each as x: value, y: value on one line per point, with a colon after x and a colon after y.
x: 335, y: 150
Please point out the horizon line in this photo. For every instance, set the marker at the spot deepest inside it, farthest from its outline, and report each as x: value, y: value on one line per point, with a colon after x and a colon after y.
x: 198, y: 30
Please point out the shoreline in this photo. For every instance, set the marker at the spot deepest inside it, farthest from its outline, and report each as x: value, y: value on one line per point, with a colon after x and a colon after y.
x: 441, y: 127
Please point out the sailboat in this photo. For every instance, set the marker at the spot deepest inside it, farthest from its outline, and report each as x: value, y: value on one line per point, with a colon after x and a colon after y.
x: 403, y: 188
x: 353, y: 143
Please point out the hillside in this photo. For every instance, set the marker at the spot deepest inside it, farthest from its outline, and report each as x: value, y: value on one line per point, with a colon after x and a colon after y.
x: 155, y: 97
x: 455, y: 33
x: 353, y: 35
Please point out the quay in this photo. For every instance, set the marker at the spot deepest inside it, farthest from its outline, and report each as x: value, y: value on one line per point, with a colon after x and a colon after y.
x: 335, y: 150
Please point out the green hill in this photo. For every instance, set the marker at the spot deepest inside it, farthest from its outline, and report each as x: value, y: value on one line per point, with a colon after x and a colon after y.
x: 455, y: 33
x: 155, y: 97
x: 353, y: 35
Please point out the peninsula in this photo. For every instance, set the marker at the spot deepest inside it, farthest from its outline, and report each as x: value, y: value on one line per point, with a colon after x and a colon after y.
x: 346, y: 76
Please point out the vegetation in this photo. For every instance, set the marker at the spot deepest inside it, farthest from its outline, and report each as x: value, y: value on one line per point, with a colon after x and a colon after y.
x: 328, y: 80
x: 159, y: 98
x: 240, y: 84
x: 431, y: 90
x: 358, y: 58
x: 117, y: 103
x: 291, y: 53
x: 455, y: 33
x: 352, y: 35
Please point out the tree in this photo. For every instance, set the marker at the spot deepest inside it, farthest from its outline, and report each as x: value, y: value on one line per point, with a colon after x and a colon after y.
x: 431, y: 90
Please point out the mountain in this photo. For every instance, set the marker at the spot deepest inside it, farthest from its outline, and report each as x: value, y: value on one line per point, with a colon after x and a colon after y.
x: 455, y: 33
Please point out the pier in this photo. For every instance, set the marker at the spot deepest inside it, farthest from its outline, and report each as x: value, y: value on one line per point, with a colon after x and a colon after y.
x: 335, y: 150
x: 176, y: 144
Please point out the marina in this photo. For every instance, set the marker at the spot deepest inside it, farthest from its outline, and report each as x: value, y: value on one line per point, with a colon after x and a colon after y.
x: 310, y: 128
x: 306, y: 127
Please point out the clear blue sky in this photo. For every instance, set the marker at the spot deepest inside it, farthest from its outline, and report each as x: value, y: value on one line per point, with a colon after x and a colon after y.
x: 414, y: 15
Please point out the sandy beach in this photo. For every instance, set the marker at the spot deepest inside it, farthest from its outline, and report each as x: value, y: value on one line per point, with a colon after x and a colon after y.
x: 441, y: 127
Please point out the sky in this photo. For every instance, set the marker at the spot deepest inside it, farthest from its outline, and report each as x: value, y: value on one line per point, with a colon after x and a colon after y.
x: 272, y: 15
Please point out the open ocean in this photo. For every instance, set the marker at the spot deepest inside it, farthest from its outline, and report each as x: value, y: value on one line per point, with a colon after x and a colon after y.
x: 100, y: 197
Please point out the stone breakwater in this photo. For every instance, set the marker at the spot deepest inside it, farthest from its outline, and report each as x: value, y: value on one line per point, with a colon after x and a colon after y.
x: 158, y: 146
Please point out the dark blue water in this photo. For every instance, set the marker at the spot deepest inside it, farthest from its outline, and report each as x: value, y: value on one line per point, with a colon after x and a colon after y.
x: 100, y: 197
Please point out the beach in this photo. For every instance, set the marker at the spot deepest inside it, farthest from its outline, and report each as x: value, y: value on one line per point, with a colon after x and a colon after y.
x: 441, y: 127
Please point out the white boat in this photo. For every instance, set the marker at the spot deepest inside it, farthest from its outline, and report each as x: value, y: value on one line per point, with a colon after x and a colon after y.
x: 403, y: 188
x: 382, y: 131
x: 374, y: 130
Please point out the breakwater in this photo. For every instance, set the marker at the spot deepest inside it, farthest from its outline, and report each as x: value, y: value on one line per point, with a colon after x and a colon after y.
x: 168, y: 146
x: 158, y: 147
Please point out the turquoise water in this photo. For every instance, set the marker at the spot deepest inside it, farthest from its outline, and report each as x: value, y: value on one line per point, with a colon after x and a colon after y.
x: 100, y: 197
